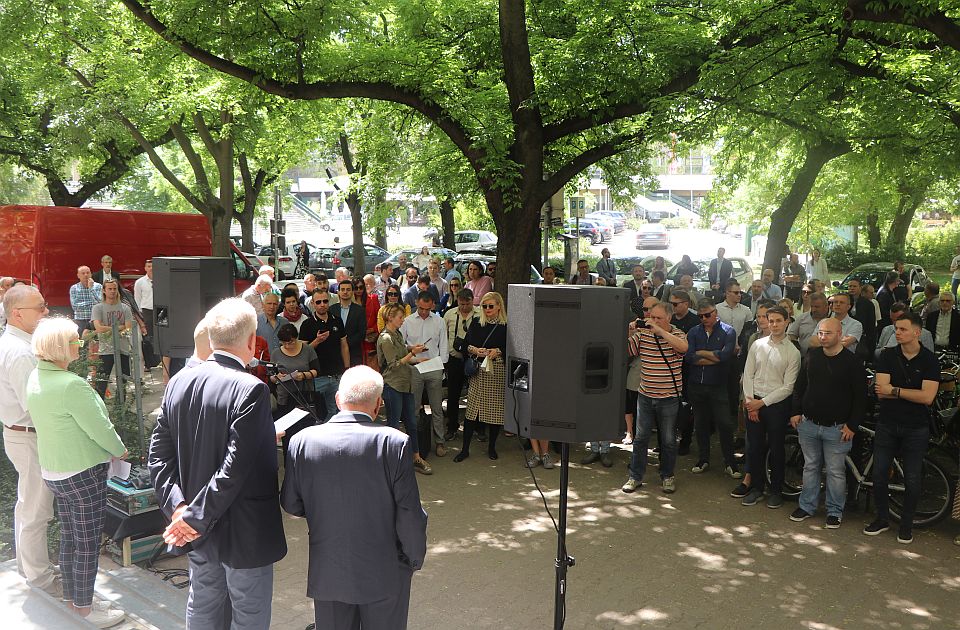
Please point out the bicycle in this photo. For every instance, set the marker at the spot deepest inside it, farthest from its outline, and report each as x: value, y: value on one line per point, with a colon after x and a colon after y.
x: 935, y: 491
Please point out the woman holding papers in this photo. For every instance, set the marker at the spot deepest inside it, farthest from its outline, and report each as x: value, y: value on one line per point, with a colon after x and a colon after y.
x: 297, y: 367
x: 75, y: 443
x: 394, y: 358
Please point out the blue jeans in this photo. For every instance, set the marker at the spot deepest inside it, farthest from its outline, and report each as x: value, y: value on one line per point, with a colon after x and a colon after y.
x: 599, y: 447
x: 822, y: 446
x: 663, y: 411
x: 954, y: 283
x: 325, y: 389
x: 910, y: 442
x: 400, y: 406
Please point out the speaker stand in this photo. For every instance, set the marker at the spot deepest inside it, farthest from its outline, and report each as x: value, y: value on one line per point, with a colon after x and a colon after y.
x: 563, y: 561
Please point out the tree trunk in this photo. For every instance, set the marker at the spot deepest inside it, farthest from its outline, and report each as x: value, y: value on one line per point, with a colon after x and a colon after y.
x: 513, y: 262
x: 448, y: 223
x: 782, y: 219
x: 873, y: 231
x: 220, y: 220
x: 359, y: 259
x: 911, y: 196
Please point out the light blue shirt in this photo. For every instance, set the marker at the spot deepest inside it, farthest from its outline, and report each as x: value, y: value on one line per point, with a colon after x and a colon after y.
x: 772, y: 292
x: 430, y: 331
x: 850, y: 327
x: 269, y: 333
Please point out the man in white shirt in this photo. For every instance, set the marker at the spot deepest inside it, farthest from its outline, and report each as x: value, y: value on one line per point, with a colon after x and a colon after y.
x: 254, y: 295
x: 5, y: 283
x: 34, y: 508
x: 143, y: 296
x: 427, y: 328
x: 731, y: 311
x: 771, y: 371
x: 852, y: 330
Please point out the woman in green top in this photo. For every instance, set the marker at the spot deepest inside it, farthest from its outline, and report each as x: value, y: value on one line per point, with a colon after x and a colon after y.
x: 394, y: 358
x: 75, y: 443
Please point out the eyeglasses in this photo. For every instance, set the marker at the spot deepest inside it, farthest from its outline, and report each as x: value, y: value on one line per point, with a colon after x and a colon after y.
x: 707, y: 315
x: 393, y: 295
x: 488, y: 307
x: 644, y: 287
x: 41, y: 308
x: 321, y: 301
x: 646, y: 308
x: 78, y: 342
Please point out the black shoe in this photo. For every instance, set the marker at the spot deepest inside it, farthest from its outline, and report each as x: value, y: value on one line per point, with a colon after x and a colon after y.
x: 606, y: 460
x: 740, y: 491
x: 462, y: 455
x: 492, y: 454
x: 876, y: 527
x: 905, y: 535
x: 800, y: 515
x: 450, y: 436
x: 590, y: 457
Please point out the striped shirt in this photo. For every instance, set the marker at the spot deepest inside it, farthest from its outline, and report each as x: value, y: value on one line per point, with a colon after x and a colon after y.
x: 657, y: 381
x: 82, y: 299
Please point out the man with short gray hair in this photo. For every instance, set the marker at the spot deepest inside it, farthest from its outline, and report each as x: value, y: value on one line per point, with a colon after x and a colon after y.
x: 361, y: 562
x: 5, y: 283
x: 213, y: 461
x: 34, y: 507
x: 254, y: 295
x: 83, y: 296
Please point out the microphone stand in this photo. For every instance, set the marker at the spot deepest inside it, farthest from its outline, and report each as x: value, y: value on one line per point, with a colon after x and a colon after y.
x: 563, y: 560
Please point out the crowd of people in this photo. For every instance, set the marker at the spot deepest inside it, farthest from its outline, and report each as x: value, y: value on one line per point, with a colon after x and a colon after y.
x: 385, y: 348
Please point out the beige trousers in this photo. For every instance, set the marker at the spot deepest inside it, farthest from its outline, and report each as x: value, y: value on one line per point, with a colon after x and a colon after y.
x: 33, y: 510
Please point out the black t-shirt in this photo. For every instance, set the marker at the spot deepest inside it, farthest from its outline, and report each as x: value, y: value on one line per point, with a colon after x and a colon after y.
x: 328, y: 352
x: 906, y: 374
x: 687, y: 322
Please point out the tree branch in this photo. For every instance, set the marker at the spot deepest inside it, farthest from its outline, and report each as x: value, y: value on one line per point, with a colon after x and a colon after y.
x: 196, y: 163
x: 936, y: 22
x: 568, y: 171
x: 378, y: 90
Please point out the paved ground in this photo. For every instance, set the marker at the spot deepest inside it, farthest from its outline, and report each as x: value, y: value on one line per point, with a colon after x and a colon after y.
x: 696, y: 559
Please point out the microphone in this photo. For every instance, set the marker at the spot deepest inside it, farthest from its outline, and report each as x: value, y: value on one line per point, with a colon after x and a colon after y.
x: 254, y: 362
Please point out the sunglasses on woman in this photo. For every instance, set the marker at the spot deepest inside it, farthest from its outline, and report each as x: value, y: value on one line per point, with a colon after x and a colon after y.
x: 488, y: 307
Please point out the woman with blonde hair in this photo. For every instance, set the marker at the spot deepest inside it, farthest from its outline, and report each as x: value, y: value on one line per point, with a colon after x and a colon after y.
x: 487, y: 343
x: 394, y: 359
x: 75, y: 444
x: 392, y: 296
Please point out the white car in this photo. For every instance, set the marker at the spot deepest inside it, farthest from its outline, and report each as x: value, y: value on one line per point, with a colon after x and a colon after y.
x: 474, y: 240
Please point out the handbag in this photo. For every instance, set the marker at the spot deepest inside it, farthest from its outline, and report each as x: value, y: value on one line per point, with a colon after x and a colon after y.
x: 470, y: 364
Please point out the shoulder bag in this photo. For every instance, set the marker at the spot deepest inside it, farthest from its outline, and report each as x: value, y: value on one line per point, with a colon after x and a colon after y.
x: 470, y: 364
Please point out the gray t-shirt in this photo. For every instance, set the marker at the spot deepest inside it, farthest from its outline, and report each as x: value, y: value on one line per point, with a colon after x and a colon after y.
x: 304, y: 361
x: 106, y: 314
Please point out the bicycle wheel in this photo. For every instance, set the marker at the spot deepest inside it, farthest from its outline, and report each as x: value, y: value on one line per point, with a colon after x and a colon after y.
x: 935, y: 494
x: 793, y: 466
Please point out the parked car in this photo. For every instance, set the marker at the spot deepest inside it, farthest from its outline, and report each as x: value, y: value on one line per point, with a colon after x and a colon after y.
x: 652, y: 235
x: 436, y: 252
x: 373, y: 256
x: 460, y: 264
x: 625, y: 266
x: 238, y: 242
x: 471, y: 240
x: 284, y: 264
x: 742, y: 271
x: 594, y: 231
x: 616, y: 218
x: 873, y: 273
x: 336, y: 224
x: 254, y: 260
x: 321, y: 260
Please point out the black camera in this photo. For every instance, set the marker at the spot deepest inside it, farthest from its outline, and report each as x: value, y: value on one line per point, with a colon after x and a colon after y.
x: 642, y: 324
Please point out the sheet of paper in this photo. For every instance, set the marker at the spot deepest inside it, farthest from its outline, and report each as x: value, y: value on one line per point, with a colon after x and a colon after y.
x: 118, y: 468
x: 290, y: 419
x: 430, y: 365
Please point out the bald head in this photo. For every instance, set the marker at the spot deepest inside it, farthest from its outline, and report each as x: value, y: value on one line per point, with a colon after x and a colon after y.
x: 829, y: 331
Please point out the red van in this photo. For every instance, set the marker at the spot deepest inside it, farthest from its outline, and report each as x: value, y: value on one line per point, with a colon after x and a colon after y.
x: 44, y: 245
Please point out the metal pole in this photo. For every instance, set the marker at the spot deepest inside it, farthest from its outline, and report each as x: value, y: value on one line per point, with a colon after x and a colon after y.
x: 136, y: 359
x: 563, y: 561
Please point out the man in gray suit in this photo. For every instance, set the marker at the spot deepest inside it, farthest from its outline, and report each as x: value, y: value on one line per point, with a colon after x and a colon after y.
x: 354, y: 481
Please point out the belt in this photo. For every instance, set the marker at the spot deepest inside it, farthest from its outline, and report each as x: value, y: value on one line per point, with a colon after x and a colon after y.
x: 825, y: 423
x: 18, y: 427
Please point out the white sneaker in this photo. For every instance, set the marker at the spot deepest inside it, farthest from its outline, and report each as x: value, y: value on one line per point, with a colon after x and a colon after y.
x: 534, y: 461
x: 105, y: 617
x: 627, y: 439
x: 631, y: 485
x: 547, y: 461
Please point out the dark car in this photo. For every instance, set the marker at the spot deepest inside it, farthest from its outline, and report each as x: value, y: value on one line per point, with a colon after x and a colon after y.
x: 873, y: 274
x: 594, y: 231
x: 321, y: 260
x: 373, y: 256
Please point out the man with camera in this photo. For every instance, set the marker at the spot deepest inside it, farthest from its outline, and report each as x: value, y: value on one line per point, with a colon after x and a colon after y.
x: 327, y: 336
x: 457, y: 320
x: 661, y: 347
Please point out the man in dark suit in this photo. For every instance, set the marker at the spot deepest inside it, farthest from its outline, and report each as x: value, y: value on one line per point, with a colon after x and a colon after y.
x: 354, y: 319
x: 945, y: 336
x: 720, y: 271
x: 353, y: 479
x: 636, y: 294
x: 213, y: 464
x: 106, y: 272
x: 864, y: 312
